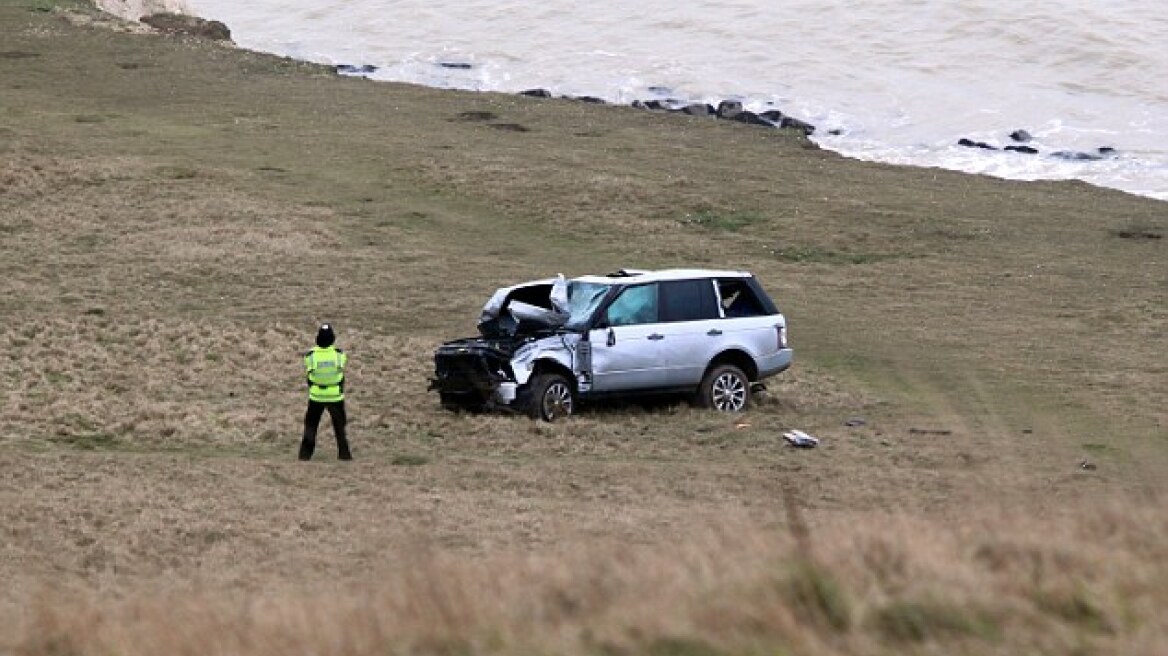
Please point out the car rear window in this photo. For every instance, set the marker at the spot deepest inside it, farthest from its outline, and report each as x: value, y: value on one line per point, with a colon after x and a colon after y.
x: 739, y: 299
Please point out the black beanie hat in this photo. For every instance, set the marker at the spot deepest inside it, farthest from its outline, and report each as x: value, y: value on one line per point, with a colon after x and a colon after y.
x: 325, y: 336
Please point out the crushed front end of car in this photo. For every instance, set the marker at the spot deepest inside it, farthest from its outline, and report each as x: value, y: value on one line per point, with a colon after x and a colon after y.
x: 479, y: 373
x: 475, y: 373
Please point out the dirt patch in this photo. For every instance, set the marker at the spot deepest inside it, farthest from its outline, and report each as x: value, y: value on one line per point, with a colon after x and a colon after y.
x: 477, y: 116
x: 509, y: 127
x: 1140, y: 234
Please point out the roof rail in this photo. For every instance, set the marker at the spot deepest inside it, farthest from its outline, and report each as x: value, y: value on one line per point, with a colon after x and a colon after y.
x: 625, y: 273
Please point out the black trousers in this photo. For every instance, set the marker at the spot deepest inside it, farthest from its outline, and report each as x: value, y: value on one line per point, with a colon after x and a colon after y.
x: 336, y: 412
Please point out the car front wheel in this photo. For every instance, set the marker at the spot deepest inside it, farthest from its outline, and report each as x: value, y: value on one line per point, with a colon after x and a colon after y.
x: 552, y: 397
x: 725, y: 388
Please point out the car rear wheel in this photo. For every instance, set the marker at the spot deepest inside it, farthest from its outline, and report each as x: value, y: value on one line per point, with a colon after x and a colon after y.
x: 552, y: 397
x: 725, y: 388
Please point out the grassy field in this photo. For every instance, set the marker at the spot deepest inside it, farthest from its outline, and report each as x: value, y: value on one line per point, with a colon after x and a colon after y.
x: 176, y: 216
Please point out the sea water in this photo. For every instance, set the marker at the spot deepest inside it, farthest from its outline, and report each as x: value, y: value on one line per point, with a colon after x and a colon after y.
x: 897, y: 81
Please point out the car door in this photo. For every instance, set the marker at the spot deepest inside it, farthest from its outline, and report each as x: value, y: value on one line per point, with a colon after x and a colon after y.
x: 627, y: 342
x: 751, y: 319
x: 689, y: 323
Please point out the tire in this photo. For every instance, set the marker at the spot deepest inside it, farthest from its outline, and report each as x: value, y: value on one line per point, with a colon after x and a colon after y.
x: 725, y: 388
x: 552, y: 397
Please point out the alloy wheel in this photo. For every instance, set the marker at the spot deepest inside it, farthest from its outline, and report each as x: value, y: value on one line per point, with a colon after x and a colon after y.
x: 728, y: 393
x: 557, y: 401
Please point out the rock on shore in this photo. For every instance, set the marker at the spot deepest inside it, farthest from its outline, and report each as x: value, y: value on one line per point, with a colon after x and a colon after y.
x: 133, y: 10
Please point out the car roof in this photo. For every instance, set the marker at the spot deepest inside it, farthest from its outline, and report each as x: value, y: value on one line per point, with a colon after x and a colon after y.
x: 636, y: 276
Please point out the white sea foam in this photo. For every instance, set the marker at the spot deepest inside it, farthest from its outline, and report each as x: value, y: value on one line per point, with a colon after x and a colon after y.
x: 900, y: 80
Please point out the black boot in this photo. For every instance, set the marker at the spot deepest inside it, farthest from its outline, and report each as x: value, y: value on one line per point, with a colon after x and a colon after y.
x: 307, y: 446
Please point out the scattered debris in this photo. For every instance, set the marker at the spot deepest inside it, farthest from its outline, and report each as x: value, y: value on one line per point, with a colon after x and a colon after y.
x: 798, y: 438
x: 742, y: 424
x: 1027, y: 431
x: 852, y: 422
x: 1087, y: 465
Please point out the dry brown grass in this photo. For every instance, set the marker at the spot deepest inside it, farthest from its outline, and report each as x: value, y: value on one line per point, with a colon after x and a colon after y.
x: 176, y: 217
x: 996, y: 582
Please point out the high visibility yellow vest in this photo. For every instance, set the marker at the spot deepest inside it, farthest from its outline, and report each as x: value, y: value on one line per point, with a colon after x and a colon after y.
x: 326, y: 374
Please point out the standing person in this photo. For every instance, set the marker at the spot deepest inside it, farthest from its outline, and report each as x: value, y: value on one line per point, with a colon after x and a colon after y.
x: 325, y: 367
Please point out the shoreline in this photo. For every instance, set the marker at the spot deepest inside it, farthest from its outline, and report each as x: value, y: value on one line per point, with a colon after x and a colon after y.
x: 736, y: 110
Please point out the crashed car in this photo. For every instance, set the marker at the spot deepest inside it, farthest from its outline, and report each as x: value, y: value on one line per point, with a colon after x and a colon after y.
x: 548, y: 344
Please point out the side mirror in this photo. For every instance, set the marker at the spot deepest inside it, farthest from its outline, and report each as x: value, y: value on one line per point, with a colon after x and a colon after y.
x: 611, y: 341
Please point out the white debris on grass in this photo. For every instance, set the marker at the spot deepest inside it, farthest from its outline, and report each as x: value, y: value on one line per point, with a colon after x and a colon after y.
x: 798, y: 438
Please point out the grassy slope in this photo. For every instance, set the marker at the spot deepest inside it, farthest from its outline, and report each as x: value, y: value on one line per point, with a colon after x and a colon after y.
x: 176, y: 217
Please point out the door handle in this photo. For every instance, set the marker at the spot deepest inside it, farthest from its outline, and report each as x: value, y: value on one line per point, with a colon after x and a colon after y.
x: 611, y: 341
x: 713, y: 332
x: 656, y: 336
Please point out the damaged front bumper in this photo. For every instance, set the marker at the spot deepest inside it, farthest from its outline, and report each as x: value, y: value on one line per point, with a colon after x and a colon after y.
x: 474, y: 375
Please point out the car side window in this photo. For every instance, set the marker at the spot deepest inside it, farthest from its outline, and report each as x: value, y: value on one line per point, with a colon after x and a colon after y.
x: 688, y: 300
x: 738, y: 299
x: 634, y: 305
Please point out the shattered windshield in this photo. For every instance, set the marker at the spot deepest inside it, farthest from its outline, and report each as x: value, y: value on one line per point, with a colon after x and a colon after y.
x: 583, y: 299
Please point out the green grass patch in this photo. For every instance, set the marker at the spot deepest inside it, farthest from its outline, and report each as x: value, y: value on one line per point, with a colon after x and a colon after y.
x: 1075, y: 608
x: 674, y: 646
x: 57, y: 378
x: 1098, y: 448
x: 815, y: 255
x: 409, y: 460
x: 96, y: 441
x: 444, y: 646
x: 177, y: 172
x: 915, y: 621
x: 817, y: 595
x: 724, y: 221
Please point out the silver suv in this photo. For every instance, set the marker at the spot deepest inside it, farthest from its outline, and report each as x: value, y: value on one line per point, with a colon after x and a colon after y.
x: 547, y: 344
